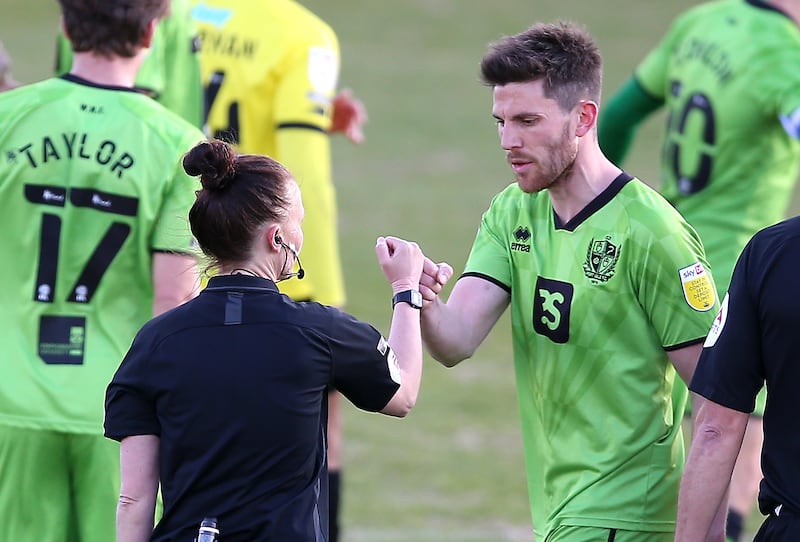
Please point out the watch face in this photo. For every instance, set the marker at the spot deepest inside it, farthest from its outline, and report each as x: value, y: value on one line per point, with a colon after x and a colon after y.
x: 412, y: 297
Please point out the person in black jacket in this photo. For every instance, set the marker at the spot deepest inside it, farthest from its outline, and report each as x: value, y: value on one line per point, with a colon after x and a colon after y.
x: 754, y: 341
x: 223, y: 400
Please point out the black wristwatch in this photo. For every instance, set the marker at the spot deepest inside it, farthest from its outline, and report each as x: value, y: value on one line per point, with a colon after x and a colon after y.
x: 412, y: 297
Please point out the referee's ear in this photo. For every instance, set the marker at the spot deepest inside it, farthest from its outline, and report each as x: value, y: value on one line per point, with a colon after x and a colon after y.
x: 273, y: 237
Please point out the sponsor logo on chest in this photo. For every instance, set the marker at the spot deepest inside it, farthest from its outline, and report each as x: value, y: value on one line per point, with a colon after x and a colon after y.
x: 522, y: 239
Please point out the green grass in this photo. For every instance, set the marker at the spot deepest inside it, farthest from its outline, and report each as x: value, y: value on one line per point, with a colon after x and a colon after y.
x: 454, y: 469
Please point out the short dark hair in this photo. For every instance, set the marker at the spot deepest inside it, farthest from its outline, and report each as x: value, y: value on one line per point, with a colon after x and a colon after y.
x: 241, y: 193
x: 563, y: 55
x: 110, y: 27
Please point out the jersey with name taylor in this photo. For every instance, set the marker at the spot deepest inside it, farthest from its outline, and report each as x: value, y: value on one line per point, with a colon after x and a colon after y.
x: 727, y: 73
x: 595, y: 303
x: 92, y: 184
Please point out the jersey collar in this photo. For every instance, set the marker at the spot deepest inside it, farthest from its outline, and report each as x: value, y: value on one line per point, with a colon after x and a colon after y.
x: 240, y: 282
x: 595, y: 205
x: 760, y: 4
x: 81, y: 81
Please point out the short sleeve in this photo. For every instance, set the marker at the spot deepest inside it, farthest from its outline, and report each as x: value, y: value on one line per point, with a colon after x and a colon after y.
x: 676, y: 288
x: 489, y: 257
x: 730, y: 371
x: 130, y: 408
x: 785, y: 90
x: 309, y: 79
x: 364, y: 367
x: 653, y: 72
x: 172, y: 233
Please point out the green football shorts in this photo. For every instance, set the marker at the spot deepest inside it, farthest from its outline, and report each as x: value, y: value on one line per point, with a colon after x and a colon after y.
x: 57, y: 487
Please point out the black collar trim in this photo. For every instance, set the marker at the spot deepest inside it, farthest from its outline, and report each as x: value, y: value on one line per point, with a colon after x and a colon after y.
x: 760, y: 4
x: 240, y: 282
x: 81, y: 81
x: 595, y: 205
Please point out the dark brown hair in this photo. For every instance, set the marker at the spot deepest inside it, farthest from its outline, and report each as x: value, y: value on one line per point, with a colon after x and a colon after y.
x: 563, y: 55
x: 110, y: 27
x: 241, y: 193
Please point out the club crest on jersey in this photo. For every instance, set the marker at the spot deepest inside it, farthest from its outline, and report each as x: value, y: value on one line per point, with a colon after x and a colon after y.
x: 697, y: 287
x: 601, y: 260
x: 522, y: 237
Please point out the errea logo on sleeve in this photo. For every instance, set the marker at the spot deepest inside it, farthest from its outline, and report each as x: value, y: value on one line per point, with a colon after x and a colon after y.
x: 698, y: 289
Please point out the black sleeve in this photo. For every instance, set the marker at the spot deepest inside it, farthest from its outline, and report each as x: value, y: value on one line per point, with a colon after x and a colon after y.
x: 130, y: 408
x: 364, y: 366
x: 730, y: 370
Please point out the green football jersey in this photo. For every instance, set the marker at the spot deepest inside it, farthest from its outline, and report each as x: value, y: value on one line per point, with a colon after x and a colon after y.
x: 727, y: 72
x: 170, y: 72
x: 595, y: 305
x: 91, y: 184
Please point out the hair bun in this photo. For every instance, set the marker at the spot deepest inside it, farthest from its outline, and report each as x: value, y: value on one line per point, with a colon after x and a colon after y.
x: 213, y: 161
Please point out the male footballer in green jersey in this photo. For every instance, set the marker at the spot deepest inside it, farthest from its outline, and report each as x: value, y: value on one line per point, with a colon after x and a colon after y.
x: 726, y: 72
x: 94, y: 203
x: 609, y: 294
x: 170, y: 72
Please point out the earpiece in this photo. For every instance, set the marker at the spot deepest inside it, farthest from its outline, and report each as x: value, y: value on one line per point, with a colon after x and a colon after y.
x: 290, y: 247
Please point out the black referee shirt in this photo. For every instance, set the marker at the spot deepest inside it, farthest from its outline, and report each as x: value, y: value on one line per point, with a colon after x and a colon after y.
x: 756, y: 337
x: 234, y: 384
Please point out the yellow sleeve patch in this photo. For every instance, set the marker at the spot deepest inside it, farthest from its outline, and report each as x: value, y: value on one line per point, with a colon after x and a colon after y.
x: 698, y: 289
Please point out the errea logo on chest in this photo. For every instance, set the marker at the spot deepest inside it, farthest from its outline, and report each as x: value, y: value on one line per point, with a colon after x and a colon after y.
x: 522, y: 237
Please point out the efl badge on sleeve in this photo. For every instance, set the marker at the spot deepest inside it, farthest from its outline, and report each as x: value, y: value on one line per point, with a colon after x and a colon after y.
x: 394, y: 368
x: 718, y: 325
x: 323, y: 69
x: 697, y: 287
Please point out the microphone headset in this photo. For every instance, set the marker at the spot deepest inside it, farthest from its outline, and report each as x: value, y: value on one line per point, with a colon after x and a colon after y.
x: 300, y: 273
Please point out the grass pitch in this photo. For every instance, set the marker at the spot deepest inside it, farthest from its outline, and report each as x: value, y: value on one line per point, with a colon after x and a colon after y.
x: 453, y: 470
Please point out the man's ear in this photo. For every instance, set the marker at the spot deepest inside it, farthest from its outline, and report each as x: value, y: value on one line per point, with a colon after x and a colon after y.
x: 587, y: 117
x: 63, y: 27
x: 149, y: 32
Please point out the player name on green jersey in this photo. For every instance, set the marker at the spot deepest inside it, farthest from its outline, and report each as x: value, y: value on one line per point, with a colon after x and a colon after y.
x: 75, y: 145
x: 92, y: 189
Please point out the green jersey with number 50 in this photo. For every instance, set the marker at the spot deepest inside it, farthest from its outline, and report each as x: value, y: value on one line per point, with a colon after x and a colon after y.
x: 728, y: 74
x: 91, y: 184
x: 596, y: 303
